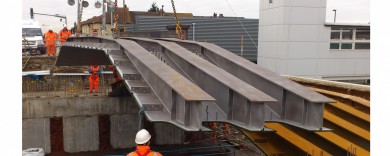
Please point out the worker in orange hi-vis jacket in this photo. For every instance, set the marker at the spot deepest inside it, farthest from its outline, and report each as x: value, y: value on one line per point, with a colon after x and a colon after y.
x: 64, y: 34
x: 142, y: 139
x: 50, y: 42
x: 94, y: 78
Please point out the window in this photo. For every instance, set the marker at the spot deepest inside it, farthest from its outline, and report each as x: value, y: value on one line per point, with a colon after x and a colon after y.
x: 335, y: 35
x: 346, y: 45
x: 362, y: 46
x: 31, y: 32
x: 362, y: 34
x: 344, y: 38
x: 334, y: 45
x: 347, y: 34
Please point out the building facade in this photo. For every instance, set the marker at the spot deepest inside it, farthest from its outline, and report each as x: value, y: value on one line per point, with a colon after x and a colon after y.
x: 227, y: 32
x: 295, y: 40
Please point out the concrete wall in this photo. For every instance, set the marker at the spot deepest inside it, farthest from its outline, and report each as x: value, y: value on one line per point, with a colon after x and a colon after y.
x: 123, y: 130
x: 81, y: 134
x: 80, y: 117
x: 76, y: 106
x: 293, y: 40
x: 36, y: 134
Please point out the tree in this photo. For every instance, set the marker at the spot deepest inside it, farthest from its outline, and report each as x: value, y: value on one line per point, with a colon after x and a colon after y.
x: 154, y: 8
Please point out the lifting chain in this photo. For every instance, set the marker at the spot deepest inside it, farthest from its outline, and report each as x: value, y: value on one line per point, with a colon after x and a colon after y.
x: 116, y: 29
x: 178, y: 28
x: 79, y: 20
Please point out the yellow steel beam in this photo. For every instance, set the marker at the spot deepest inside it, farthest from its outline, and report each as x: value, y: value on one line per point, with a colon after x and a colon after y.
x: 355, y: 99
x: 265, y: 146
x: 343, y: 143
x: 347, y: 125
x: 350, y: 110
x: 296, y: 140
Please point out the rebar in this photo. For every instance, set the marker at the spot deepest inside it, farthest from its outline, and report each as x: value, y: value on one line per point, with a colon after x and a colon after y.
x: 62, y: 86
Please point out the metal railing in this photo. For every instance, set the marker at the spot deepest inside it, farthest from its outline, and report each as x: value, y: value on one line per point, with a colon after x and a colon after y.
x: 64, y: 85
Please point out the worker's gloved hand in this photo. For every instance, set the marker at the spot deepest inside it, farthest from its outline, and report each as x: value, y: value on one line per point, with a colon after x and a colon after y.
x: 89, y: 70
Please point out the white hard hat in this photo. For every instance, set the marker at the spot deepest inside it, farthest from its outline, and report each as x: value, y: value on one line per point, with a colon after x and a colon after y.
x: 142, y: 137
x: 50, y: 28
x: 65, y: 25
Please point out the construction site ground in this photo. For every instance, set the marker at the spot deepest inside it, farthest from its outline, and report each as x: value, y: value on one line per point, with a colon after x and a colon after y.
x: 40, y: 63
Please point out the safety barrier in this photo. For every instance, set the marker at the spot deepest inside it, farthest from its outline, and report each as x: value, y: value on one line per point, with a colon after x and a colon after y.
x: 63, y: 85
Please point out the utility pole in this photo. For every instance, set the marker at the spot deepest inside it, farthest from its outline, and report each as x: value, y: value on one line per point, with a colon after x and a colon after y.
x: 334, y: 19
x: 104, y: 17
x: 31, y: 13
x: 124, y: 18
x: 78, y: 12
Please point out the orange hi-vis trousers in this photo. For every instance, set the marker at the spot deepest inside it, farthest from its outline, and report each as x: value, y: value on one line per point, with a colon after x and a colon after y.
x: 51, y: 50
x: 93, y: 82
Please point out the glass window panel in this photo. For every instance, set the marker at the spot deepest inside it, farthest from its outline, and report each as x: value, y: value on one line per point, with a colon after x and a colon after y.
x: 346, y: 46
x: 362, y: 45
x: 335, y: 35
x: 334, y: 45
x: 362, y: 34
x: 347, y: 34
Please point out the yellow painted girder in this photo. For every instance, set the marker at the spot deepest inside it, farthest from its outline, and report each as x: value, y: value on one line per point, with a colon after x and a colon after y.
x: 352, y: 111
x: 296, y: 140
x: 347, y: 125
x: 355, y: 99
x: 343, y: 143
x: 266, y: 147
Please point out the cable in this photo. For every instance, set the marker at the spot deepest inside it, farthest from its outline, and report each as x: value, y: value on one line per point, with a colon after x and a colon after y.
x: 241, y: 23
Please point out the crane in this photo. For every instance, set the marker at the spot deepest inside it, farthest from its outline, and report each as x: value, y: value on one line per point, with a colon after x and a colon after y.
x: 179, y: 32
x: 178, y: 28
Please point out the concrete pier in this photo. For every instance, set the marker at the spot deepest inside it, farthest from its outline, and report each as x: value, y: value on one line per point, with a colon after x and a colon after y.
x: 83, y: 128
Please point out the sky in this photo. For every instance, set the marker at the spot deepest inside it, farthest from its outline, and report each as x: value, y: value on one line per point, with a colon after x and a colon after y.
x: 348, y: 11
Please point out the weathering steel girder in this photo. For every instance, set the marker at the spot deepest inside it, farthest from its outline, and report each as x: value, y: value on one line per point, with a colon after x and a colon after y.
x: 296, y: 104
x: 236, y: 98
x: 167, y: 84
x: 251, y: 119
x: 306, y: 109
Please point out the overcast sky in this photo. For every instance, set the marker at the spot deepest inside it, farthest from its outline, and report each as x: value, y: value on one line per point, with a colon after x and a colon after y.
x: 348, y: 11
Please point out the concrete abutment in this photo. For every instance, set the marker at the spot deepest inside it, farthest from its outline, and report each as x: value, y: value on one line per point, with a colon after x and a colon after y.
x: 79, y: 124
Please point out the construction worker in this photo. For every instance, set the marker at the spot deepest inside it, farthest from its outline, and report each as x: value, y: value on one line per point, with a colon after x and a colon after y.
x: 142, y: 139
x: 50, y: 42
x: 94, y: 78
x: 115, y: 73
x: 64, y: 34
